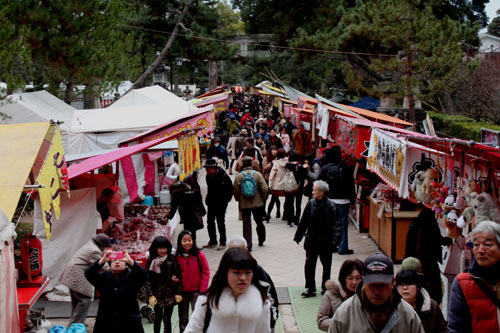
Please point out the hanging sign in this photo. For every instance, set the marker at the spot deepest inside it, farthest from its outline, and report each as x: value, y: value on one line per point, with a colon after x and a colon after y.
x: 54, y: 176
x: 386, y: 157
x: 354, y: 139
x: 189, y: 155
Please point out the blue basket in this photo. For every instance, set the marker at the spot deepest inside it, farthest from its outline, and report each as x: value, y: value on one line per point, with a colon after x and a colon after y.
x: 77, y: 328
x: 57, y: 329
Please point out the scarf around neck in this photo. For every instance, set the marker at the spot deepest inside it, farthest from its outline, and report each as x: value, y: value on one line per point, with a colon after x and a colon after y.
x: 156, y: 264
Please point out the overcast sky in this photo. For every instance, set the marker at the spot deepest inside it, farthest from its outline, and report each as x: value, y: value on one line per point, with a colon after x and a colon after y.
x: 491, y: 9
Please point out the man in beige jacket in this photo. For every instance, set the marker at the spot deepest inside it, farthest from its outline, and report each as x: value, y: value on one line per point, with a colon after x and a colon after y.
x: 73, y: 276
x: 376, y: 306
x: 251, y: 195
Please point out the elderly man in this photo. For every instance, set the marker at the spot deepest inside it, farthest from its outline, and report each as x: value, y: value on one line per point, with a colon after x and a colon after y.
x: 250, y: 190
x: 474, y: 301
x: 376, y: 306
x: 317, y: 224
x: 73, y: 276
x: 264, y: 280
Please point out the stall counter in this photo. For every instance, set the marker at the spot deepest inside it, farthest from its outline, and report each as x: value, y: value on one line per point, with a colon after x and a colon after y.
x: 388, y: 233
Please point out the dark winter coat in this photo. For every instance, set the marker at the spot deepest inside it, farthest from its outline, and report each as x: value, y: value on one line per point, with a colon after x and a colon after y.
x: 345, y: 190
x: 190, y: 205
x: 118, y: 307
x: 161, y: 285
x: 273, y: 141
x: 219, y: 189
x: 219, y: 152
x: 317, y: 224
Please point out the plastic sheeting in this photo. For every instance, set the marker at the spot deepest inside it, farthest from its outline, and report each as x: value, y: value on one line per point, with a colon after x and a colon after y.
x: 76, y: 226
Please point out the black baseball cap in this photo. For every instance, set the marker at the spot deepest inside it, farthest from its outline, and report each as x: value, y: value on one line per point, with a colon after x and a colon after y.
x: 378, y: 268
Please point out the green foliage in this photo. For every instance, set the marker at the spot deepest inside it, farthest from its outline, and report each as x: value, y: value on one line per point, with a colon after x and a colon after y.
x: 386, y: 27
x: 71, y: 42
x: 494, y: 26
x: 460, y: 127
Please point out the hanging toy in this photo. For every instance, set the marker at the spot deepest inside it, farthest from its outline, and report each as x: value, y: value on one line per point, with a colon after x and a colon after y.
x: 449, y: 203
x: 451, y: 224
x: 417, y: 187
x: 485, y: 208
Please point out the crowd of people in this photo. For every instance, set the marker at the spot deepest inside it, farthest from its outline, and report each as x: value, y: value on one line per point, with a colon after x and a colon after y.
x: 273, y: 159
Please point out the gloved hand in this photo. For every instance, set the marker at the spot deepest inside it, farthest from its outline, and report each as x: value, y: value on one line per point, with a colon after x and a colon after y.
x: 152, y: 301
x: 178, y: 298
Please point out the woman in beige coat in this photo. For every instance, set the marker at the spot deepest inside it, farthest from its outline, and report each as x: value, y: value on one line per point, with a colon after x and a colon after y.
x: 335, y: 295
x: 73, y: 276
x: 267, y: 165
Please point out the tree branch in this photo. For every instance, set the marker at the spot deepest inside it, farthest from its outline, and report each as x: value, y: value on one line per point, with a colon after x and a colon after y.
x: 139, y: 83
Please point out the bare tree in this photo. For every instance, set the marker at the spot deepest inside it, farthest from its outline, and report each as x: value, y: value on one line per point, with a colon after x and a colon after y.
x: 140, y: 82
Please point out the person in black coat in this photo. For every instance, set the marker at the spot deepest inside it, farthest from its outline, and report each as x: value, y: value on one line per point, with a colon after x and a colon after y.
x: 219, y: 193
x: 339, y: 177
x: 118, y: 307
x: 424, y: 241
x: 317, y: 225
x: 186, y: 197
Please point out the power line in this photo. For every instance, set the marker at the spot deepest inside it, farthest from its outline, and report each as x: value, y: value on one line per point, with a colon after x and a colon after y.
x: 263, y: 45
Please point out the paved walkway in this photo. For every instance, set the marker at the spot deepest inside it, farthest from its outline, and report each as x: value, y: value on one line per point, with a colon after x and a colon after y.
x: 284, y: 260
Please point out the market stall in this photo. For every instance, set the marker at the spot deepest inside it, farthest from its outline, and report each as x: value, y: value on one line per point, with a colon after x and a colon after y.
x: 34, y: 162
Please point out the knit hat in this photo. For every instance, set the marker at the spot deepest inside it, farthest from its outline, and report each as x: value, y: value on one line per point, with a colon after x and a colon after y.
x: 411, y: 264
x: 102, y: 240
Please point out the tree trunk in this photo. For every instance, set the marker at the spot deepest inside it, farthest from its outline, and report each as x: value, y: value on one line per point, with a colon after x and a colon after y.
x: 212, y: 75
x: 68, y: 95
x: 141, y: 81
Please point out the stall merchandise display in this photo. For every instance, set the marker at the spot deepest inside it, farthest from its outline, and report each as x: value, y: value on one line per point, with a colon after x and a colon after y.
x: 140, y: 226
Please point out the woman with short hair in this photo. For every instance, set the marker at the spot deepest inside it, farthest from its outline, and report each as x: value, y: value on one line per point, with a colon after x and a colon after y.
x: 335, y: 295
x: 474, y: 298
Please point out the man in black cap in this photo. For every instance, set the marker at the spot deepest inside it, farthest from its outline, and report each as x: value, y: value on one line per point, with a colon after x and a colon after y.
x: 376, y: 306
x: 219, y: 193
x: 218, y: 151
x: 73, y: 276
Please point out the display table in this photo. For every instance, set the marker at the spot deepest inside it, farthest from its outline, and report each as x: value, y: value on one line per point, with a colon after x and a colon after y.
x: 27, y: 296
x: 390, y: 233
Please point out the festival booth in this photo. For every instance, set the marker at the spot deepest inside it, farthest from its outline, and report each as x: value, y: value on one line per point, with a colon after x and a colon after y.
x: 220, y: 101
x: 38, y: 106
x: 141, y: 223
x: 146, y: 172
x: 33, y: 163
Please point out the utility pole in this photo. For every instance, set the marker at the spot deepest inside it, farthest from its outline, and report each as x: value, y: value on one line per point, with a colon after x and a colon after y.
x: 409, y: 88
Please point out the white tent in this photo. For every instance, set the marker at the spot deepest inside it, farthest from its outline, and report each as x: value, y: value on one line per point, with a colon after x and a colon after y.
x: 35, y: 107
x: 138, y: 111
x: 151, y: 96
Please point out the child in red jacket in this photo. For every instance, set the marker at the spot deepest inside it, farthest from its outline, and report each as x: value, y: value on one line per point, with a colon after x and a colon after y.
x: 195, y: 274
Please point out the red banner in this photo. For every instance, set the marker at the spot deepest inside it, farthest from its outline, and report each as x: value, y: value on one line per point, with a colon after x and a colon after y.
x: 204, y: 119
x: 353, y: 139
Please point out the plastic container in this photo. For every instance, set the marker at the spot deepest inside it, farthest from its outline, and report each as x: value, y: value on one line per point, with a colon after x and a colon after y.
x: 165, y: 197
x: 57, y: 329
x: 77, y: 328
x: 148, y: 201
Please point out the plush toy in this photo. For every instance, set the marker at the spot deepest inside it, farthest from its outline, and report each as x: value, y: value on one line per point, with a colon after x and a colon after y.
x: 449, y: 203
x: 430, y: 174
x: 485, y: 208
x: 451, y: 224
x: 418, y: 189
x: 471, y: 187
x: 459, y: 203
x: 462, y: 221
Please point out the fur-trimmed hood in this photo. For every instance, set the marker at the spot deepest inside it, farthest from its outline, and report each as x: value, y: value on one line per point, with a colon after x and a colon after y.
x: 336, y: 289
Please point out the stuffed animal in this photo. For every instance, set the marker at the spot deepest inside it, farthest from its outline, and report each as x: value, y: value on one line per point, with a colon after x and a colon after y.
x: 459, y: 203
x: 418, y: 189
x: 451, y: 224
x: 430, y: 174
x: 448, y: 204
x: 471, y: 187
x: 485, y: 208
